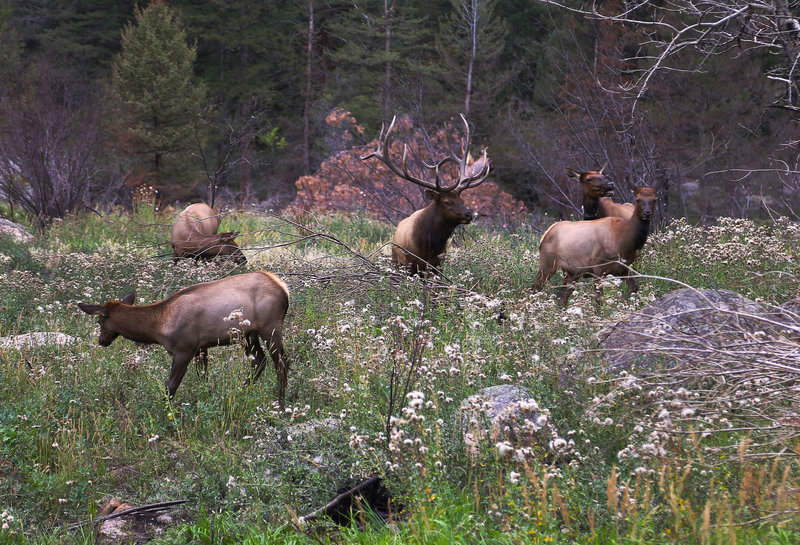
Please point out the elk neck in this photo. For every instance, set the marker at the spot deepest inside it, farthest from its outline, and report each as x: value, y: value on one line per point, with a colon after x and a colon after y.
x: 137, y: 323
x: 590, y: 207
x: 635, y: 234
x: 437, y: 228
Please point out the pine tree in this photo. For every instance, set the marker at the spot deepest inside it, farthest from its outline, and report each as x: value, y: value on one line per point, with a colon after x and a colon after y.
x: 381, y: 45
x: 470, y: 45
x: 153, y: 79
x: 9, y: 43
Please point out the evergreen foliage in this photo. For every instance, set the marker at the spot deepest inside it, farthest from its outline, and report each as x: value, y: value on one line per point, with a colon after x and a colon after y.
x: 470, y: 45
x: 153, y: 79
x: 382, y: 49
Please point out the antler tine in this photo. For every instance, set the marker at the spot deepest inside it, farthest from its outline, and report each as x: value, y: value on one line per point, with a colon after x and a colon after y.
x: 465, y: 147
x: 382, y: 153
x: 470, y: 175
x: 405, y: 163
x: 383, y: 141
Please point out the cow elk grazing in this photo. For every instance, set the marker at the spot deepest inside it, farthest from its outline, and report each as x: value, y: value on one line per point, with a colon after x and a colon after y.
x: 194, y: 234
x: 421, y: 239
x: 596, y: 247
x: 241, y: 307
x: 596, y: 203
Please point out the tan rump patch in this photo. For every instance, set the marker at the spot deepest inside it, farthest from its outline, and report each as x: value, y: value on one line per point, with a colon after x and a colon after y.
x: 277, y: 279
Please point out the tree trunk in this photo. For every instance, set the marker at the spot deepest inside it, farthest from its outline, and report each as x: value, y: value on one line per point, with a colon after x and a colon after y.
x: 387, y: 78
x: 307, y: 108
x: 473, y: 36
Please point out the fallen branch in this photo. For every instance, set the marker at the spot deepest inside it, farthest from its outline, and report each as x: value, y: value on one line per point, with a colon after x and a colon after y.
x: 340, y: 500
x: 150, y: 508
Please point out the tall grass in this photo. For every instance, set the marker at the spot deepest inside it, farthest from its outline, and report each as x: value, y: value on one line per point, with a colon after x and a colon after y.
x: 81, y: 423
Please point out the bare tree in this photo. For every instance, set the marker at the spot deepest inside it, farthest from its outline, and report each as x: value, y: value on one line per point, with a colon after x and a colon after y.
x: 709, y: 27
x: 471, y: 43
x: 682, y: 36
x: 234, y: 151
x: 50, y: 141
x: 309, y: 89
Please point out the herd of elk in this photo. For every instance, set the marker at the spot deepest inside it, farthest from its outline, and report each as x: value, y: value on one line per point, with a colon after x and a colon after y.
x: 188, y: 322
x: 595, y: 247
x: 596, y: 201
x: 248, y: 306
x: 194, y: 234
x: 421, y: 239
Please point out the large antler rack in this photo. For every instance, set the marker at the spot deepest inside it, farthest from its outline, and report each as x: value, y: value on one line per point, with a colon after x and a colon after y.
x: 469, y: 175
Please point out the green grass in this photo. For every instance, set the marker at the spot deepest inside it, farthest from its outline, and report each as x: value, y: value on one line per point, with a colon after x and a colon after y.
x: 82, y: 423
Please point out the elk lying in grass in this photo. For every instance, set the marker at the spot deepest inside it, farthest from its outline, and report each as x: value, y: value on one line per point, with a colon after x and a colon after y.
x: 194, y: 234
x: 193, y: 319
x: 596, y: 247
x: 596, y: 202
x: 421, y: 239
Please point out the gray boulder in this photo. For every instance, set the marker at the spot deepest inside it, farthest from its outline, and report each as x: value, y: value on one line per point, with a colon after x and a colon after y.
x: 36, y: 339
x: 687, y: 325
x: 510, y: 419
x: 14, y: 230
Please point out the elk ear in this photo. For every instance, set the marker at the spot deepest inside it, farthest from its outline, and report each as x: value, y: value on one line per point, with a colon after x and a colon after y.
x: 431, y: 194
x: 96, y: 310
x: 573, y: 174
x: 129, y: 298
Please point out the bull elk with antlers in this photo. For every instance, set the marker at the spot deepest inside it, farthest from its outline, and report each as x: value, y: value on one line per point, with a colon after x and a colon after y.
x: 421, y: 239
x: 596, y: 202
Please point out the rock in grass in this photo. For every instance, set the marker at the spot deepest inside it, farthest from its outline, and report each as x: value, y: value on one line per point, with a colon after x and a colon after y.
x: 687, y: 326
x: 36, y: 339
x: 15, y: 231
x: 508, y: 418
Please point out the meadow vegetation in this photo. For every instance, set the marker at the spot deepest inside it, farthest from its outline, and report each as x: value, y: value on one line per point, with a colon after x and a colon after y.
x: 380, y: 364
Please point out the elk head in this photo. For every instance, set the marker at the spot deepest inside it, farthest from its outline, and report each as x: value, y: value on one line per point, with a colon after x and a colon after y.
x: 447, y: 198
x: 594, y: 182
x: 108, y: 332
x: 645, y: 202
x: 228, y: 247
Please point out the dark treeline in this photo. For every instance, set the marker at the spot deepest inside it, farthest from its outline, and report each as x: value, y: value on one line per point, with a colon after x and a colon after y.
x: 228, y: 101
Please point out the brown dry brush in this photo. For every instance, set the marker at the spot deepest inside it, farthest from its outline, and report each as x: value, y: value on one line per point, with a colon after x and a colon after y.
x: 345, y: 182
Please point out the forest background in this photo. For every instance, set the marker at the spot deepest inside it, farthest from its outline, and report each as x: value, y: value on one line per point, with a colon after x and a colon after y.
x: 247, y: 103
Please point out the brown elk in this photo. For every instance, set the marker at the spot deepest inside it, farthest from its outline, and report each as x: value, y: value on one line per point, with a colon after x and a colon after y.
x: 421, y: 239
x: 595, y: 247
x: 596, y: 203
x: 191, y: 320
x: 194, y: 234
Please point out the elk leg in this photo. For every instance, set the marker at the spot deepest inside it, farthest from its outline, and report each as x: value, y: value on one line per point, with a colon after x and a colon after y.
x: 253, y: 349
x: 567, y: 289
x: 598, y: 291
x: 201, y: 363
x: 179, y: 364
x: 280, y: 361
x: 256, y: 354
x: 631, y: 284
x: 281, y: 367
